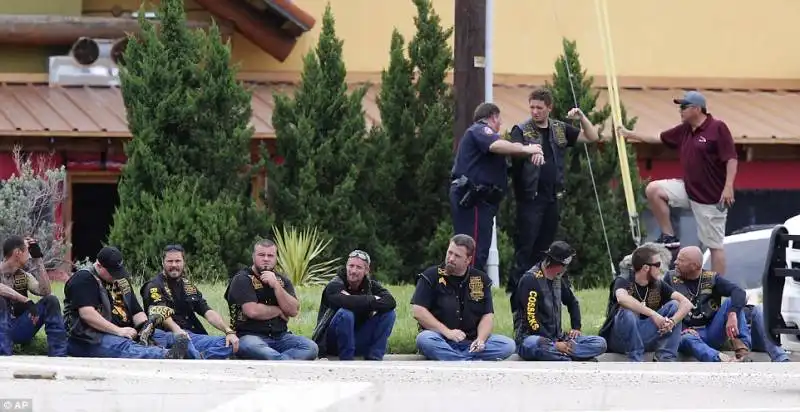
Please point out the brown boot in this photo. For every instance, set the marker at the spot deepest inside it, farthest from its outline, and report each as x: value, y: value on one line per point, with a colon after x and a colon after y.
x: 741, y: 350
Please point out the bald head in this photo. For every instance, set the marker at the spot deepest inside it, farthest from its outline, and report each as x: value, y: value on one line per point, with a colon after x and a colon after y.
x: 689, y: 261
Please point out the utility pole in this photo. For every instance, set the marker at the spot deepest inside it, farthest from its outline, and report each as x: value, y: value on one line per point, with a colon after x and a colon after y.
x: 469, y: 63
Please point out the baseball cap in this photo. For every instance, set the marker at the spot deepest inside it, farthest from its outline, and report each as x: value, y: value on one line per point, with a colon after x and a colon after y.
x: 361, y: 255
x: 560, y: 252
x: 111, y: 259
x: 692, y: 98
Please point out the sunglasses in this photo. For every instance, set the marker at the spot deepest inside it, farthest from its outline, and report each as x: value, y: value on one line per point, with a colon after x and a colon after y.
x: 654, y: 264
x: 359, y: 254
x: 173, y: 248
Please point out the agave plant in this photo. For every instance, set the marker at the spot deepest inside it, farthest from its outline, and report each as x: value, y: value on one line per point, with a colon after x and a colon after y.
x: 297, y: 250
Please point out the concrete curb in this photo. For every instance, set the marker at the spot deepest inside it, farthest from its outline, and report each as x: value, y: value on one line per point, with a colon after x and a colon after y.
x: 606, y: 357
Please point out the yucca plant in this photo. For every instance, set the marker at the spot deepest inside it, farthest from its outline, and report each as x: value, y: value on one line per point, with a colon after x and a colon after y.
x: 297, y: 249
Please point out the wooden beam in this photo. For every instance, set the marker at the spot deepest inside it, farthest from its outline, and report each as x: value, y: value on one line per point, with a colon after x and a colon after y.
x: 47, y: 30
x: 267, y: 37
x: 468, y: 80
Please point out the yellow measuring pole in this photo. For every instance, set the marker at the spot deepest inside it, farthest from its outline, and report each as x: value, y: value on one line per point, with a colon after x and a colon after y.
x: 601, y: 8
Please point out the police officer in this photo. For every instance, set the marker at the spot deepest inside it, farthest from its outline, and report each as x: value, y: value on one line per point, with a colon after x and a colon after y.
x: 480, y: 178
x: 21, y: 319
x: 104, y: 319
x: 541, y: 292
x: 713, y: 321
x: 538, y: 187
x: 453, y: 305
x: 178, y: 300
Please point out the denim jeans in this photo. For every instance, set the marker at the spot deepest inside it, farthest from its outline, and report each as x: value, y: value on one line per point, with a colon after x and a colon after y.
x: 760, y: 341
x: 434, y: 346
x: 22, y: 329
x: 113, y: 346
x: 370, y: 340
x: 201, y: 346
x: 709, y: 339
x: 632, y: 335
x: 583, y: 348
x: 285, y: 347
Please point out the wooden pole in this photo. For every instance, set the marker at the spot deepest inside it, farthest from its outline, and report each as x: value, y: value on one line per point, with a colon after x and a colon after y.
x: 46, y: 30
x: 468, y: 76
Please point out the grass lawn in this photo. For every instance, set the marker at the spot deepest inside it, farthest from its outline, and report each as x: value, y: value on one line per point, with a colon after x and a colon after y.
x: 593, y: 306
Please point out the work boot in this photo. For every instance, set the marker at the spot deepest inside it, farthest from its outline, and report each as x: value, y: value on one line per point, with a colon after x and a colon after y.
x: 741, y: 350
x: 724, y: 357
x: 180, y: 349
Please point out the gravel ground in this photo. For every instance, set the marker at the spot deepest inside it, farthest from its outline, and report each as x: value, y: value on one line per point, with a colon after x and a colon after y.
x: 241, y: 386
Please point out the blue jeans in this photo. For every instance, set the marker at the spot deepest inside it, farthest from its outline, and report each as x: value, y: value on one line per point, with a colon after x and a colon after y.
x: 434, y: 346
x: 632, y: 335
x: 22, y: 329
x: 286, y: 347
x: 761, y: 343
x: 583, y: 348
x: 200, y: 346
x: 370, y: 340
x: 113, y: 346
x: 705, y: 345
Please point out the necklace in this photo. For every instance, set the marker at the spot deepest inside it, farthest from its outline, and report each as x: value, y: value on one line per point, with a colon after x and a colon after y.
x: 646, y: 291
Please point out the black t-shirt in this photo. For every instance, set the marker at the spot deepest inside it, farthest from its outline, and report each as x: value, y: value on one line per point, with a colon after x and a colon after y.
x: 246, y: 288
x: 640, y: 293
x: 548, y: 172
x: 85, y: 291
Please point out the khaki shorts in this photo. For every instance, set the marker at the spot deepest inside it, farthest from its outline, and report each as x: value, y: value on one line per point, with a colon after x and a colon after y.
x: 710, y: 221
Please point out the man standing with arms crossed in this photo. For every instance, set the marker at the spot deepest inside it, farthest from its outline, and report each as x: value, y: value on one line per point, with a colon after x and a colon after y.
x: 709, y: 161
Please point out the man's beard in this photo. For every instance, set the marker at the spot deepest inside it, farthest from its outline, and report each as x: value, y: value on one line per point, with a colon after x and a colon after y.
x: 450, y: 268
x: 174, y: 273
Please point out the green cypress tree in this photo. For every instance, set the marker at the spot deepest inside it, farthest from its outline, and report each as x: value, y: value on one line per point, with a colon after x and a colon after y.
x: 186, y: 178
x: 580, y: 223
x: 330, y: 172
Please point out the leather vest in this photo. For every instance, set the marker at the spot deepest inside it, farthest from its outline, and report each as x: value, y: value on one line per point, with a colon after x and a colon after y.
x: 525, y: 175
x: 652, y: 299
x: 20, y: 279
x: 705, y: 303
x: 243, y: 325
x: 75, y: 327
x: 542, y: 312
x: 461, y: 307
x: 188, y: 321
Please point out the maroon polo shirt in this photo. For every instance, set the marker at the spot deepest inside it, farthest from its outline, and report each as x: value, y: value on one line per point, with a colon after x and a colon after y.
x: 704, y: 153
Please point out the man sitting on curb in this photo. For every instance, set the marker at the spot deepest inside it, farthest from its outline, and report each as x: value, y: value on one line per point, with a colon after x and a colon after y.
x: 643, y: 312
x: 538, y: 321
x: 261, y: 301
x: 713, y: 321
x: 177, y: 300
x: 105, y: 320
x: 356, y: 313
x: 20, y: 317
x: 453, y: 304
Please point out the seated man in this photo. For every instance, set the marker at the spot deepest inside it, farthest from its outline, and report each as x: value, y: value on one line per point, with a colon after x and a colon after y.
x: 173, y: 297
x: 713, y: 321
x: 538, y: 321
x: 453, y: 304
x: 261, y: 302
x: 644, y: 313
x: 104, y: 319
x: 356, y: 313
x: 22, y: 319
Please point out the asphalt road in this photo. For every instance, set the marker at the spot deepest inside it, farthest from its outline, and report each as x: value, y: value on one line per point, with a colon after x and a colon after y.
x: 242, y: 386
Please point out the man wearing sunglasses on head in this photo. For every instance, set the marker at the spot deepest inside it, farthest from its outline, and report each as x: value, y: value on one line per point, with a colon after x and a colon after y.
x: 709, y: 161
x: 644, y: 313
x: 176, y: 300
x: 356, y: 313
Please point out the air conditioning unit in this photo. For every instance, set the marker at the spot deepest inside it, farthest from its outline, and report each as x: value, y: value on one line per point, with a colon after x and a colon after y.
x: 91, y: 62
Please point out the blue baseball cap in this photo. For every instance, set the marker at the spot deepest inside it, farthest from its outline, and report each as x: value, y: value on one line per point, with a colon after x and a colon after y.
x: 692, y: 98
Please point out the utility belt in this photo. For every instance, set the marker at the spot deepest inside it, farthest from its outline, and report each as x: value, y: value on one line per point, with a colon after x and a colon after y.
x: 472, y: 193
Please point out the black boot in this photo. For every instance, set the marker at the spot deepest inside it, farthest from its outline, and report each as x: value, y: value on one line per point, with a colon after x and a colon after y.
x: 180, y: 348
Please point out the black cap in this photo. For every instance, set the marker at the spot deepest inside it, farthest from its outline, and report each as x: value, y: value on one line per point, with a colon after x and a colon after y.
x: 560, y: 252
x: 111, y: 259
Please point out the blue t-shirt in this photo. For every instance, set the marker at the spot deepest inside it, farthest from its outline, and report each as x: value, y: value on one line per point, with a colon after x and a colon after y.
x: 476, y: 162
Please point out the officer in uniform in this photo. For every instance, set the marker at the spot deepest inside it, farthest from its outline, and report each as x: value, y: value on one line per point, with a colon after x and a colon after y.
x: 453, y: 305
x: 644, y: 313
x: 104, y: 319
x: 537, y: 188
x: 20, y: 317
x: 713, y: 321
x: 261, y: 301
x: 480, y: 178
x: 178, y: 300
x: 537, y: 328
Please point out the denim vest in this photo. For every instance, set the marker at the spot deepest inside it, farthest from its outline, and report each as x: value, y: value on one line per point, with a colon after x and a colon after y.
x: 525, y: 173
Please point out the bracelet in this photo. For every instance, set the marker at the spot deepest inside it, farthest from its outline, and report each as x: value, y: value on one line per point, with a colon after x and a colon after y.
x: 230, y: 332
